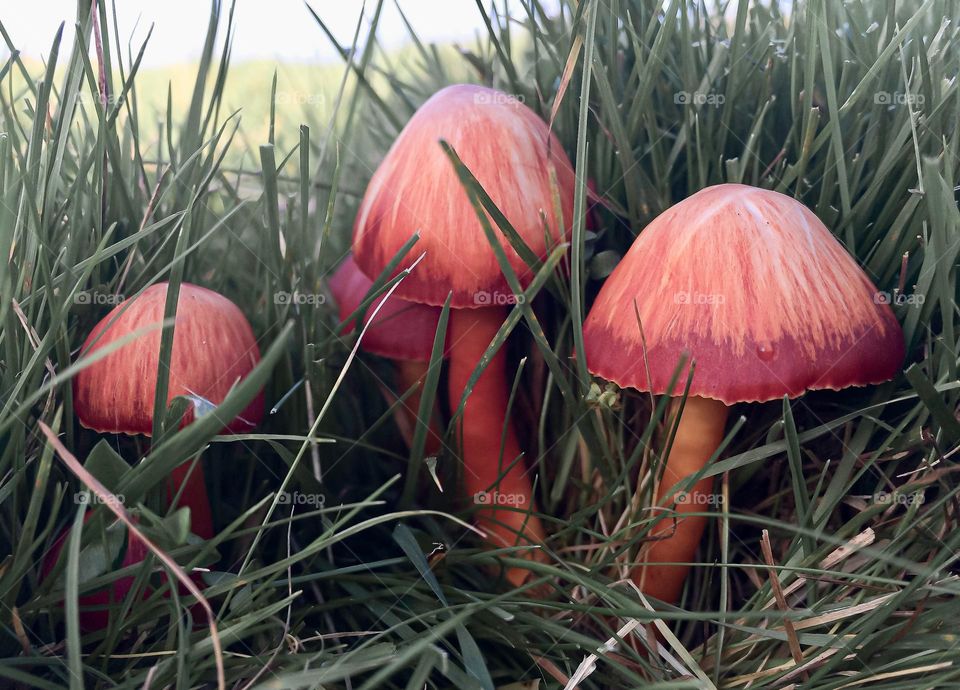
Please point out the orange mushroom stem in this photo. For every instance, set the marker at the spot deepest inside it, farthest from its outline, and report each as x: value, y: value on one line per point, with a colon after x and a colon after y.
x: 401, y: 331
x: 188, y: 481
x: 675, y: 538
x: 410, y: 374
x: 495, y: 476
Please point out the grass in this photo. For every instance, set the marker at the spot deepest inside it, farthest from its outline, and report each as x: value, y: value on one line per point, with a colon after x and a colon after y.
x: 850, y: 107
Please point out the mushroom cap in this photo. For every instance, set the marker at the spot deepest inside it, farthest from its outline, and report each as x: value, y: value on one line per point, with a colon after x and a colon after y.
x: 754, y: 287
x: 402, y: 329
x: 213, y: 348
x: 510, y: 151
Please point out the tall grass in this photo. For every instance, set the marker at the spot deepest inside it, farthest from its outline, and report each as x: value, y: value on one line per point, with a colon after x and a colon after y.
x: 850, y: 107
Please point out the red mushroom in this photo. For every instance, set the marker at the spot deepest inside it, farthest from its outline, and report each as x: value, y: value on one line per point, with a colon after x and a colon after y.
x: 402, y: 331
x: 94, y: 607
x: 767, y: 303
x: 213, y: 348
x: 512, y: 153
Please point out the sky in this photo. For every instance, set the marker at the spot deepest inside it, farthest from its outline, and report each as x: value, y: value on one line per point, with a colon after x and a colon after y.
x: 275, y: 30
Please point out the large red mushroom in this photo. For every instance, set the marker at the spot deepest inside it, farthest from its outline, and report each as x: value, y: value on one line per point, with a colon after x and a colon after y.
x: 767, y: 303
x: 513, y: 155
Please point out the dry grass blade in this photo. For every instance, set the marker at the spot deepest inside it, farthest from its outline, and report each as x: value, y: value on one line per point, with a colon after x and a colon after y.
x: 847, y: 612
x: 929, y: 668
x: 832, y: 560
x: 589, y: 663
x: 565, y: 78
x: 774, y: 579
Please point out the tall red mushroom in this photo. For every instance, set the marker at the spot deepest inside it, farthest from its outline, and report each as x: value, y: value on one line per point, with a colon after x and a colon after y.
x: 213, y: 348
x: 402, y: 331
x: 512, y: 153
x: 767, y: 303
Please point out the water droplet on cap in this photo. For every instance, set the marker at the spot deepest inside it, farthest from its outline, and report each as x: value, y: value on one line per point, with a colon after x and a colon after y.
x: 766, y: 352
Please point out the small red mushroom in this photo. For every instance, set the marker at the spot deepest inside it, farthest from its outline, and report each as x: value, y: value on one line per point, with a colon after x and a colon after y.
x: 512, y: 153
x: 766, y: 302
x: 213, y: 348
x: 402, y: 331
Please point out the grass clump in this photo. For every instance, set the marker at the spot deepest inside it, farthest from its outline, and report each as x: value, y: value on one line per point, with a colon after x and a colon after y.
x: 850, y: 107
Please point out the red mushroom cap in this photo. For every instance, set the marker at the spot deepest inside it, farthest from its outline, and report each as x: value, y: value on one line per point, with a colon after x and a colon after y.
x: 213, y: 348
x: 510, y: 151
x: 402, y: 330
x: 755, y: 288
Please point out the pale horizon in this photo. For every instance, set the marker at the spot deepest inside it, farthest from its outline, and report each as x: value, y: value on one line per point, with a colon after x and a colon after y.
x: 283, y: 31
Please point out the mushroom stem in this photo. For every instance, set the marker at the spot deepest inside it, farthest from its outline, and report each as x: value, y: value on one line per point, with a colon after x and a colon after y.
x: 675, y: 541
x: 509, y: 520
x: 410, y: 373
x: 193, y: 496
